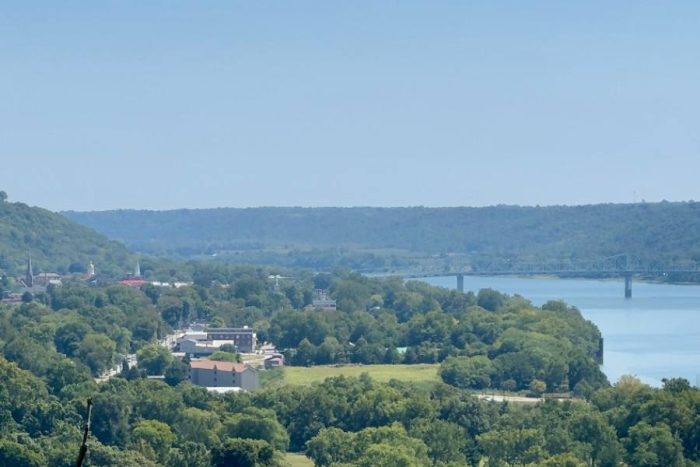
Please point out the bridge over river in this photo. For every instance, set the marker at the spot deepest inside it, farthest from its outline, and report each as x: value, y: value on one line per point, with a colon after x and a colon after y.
x: 622, y: 266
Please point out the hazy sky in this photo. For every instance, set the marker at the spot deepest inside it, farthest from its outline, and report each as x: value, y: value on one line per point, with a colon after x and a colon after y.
x: 165, y: 104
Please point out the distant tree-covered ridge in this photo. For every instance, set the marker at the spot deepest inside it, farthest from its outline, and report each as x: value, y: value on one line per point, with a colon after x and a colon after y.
x: 653, y: 233
x: 56, y: 244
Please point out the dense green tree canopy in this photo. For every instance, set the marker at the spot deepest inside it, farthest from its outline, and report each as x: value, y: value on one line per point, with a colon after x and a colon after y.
x: 53, y: 348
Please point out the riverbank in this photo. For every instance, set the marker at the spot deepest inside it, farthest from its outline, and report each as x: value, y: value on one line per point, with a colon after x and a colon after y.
x: 653, y: 335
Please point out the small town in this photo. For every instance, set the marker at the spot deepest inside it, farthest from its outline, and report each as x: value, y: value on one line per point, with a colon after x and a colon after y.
x: 349, y: 234
x: 194, y: 344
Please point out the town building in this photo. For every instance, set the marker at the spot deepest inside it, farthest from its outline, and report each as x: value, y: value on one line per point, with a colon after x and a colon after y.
x: 243, y: 338
x: 37, y: 283
x: 11, y: 298
x: 29, y: 276
x: 90, y: 270
x: 45, y: 279
x: 206, y: 342
x: 132, y: 282
x: 173, y: 285
x: 274, y: 361
x: 322, y: 302
x: 134, y: 279
x: 210, y: 374
x: 197, y: 334
x: 199, y: 347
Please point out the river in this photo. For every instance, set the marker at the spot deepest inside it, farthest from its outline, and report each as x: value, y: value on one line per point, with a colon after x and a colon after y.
x: 653, y: 335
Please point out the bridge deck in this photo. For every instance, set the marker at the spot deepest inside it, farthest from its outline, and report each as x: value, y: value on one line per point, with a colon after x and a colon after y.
x: 544, y: 272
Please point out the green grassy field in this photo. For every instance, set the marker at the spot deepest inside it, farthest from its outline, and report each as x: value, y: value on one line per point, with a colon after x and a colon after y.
x: 297, y: 460
x: 424, y: 374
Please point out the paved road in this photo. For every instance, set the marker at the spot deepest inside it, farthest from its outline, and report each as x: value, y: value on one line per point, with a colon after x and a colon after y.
x: 170, y: 340
x: 517, y: 399
x: 167, y: 342
x: 502, y: 398
x: 117, y: 368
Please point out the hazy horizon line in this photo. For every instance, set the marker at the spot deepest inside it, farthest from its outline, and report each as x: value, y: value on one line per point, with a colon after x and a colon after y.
x: 486, y: 206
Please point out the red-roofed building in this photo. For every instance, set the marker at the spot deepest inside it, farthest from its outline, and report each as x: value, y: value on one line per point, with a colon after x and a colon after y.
x: 133, y: 282
x: 134, y: 279
x: 210, y: 373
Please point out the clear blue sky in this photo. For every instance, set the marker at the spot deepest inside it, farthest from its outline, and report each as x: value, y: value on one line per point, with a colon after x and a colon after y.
x: 166, y: 104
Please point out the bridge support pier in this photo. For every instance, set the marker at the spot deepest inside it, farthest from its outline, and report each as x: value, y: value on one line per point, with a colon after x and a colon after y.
x: 628, y: 285
x: 460, y: 282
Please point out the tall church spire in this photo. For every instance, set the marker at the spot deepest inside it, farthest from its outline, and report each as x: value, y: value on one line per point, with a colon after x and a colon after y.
x: 29, y: 277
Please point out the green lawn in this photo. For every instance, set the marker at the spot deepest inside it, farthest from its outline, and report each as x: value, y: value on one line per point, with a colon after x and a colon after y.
x: 297, y: 460
x: 426, y: 374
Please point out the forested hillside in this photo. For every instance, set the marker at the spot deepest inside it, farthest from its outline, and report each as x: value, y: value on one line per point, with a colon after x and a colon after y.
x: 649, y: 232
x: 55, y: 243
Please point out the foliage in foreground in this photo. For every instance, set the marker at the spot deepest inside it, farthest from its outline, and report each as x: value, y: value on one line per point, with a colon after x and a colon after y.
x: 343, y: 421
x: 52, y: 347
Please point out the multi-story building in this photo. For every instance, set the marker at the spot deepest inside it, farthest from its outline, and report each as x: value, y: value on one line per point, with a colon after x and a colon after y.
x: 196, y: 347
x: 244, y: 338
x: 213, y: 374
x: 322, y: 302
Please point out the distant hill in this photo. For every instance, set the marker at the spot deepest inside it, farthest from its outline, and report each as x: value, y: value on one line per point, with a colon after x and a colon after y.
x: 651, y: 232
x: 55, y: 243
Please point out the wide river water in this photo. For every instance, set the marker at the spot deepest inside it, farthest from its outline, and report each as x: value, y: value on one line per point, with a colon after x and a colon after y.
x: 653, y: 335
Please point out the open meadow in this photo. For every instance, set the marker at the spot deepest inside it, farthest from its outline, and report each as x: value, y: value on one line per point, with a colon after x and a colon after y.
x: 297, y: 460
x: 424, y: 374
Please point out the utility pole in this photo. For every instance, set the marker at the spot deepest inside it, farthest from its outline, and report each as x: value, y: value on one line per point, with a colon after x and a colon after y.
x: 86, y: 431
